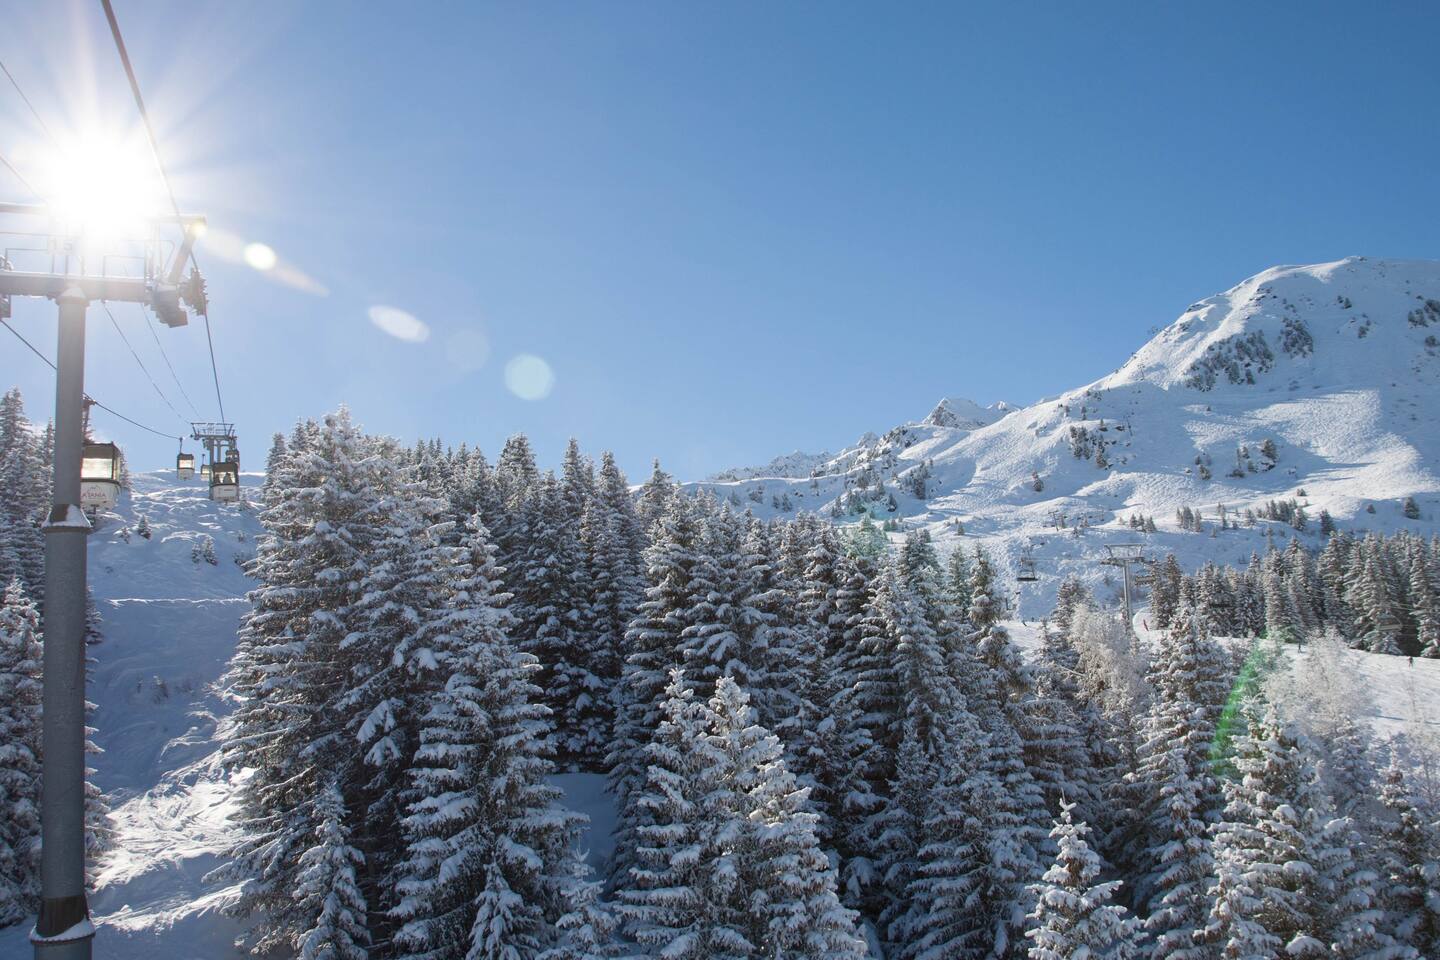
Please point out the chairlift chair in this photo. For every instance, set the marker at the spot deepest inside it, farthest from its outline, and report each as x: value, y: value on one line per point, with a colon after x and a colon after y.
x: 1027, y: 572
x: 99, y: 476
x: 185, y: 465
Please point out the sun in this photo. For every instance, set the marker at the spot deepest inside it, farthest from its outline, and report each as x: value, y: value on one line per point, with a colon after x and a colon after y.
x: 102, y: 184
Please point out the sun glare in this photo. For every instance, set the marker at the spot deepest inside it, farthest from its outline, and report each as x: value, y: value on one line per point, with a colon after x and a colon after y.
x: 103, y: 185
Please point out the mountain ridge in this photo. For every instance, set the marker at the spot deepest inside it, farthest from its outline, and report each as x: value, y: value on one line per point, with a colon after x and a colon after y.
x: 1331, y: 367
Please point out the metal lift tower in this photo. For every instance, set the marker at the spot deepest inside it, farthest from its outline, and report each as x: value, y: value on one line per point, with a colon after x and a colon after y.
x: 1125, y: 556
x: 71, y: 270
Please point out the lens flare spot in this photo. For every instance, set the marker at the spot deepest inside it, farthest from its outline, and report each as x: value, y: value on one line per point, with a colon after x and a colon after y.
x: 260, y: 256
x: 469, y: 350
x: 399, y: 324
x: 529, y: 377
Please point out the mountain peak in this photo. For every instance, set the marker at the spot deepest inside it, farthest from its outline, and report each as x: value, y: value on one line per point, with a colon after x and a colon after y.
x: 958, y: 413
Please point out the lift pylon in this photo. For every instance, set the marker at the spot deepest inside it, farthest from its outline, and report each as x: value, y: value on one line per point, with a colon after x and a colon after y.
x: 222, y: 458
x: 48, y: 256
x: 1126, y: 556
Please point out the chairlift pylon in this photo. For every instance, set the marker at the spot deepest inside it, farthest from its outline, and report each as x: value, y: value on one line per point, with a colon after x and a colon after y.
x: 222, y: 464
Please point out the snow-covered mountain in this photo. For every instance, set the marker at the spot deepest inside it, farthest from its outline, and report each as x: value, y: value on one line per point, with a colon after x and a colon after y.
x: 1332, y: 368
x: 957, y: 413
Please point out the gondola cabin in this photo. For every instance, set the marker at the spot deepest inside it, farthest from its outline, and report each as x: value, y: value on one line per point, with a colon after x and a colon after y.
x: 225, y: 481
x: 99, y: 476
x: 204, y: 471
x: 185, y: 466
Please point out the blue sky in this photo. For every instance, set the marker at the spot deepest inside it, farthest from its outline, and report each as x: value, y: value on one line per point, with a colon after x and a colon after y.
x: 730, y: 230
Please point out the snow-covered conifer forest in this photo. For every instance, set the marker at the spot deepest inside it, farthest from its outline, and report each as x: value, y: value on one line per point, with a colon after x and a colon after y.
x: 420, y: 701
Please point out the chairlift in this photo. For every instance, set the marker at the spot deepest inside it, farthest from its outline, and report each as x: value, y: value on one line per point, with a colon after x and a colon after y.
x: 185, y: 465
x: 99, y: 476
x: 225, y: 479
x: 1027, y: 572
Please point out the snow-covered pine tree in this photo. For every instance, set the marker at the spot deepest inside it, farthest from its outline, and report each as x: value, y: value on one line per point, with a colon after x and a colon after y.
x: 1058, y: 739
x: 489, y: 850
x: 474, y: 492
x: 327, y: 887
x: 405, y: 605
x: 791, y: 884
x: 279, y: 450
x: 958, y: 592
x: 729, y: 865
x: 1272, y: 895
x: 655, y: 497
x: 577, y: 481
x: 289, y: 668
x: 1282, y: 612
x: 1372, y: 591
x: 984, y: 811
x: 1175, y: 788
x: 1165, y: 592
x: 613, y: 490
x: 24, y: 492
x: 13, y: 424
x: 614, y: 542
x: 676, y: 895
x: 899, y: 670
x: 781, y: 694
x: 1423, y: 594
x: 586, y: 931
x: 987, y: 606
x: 514, y: 481
x: 515, y: 472
x: 1353, y: 913
x: 653, y: 639
x: 1073, y: 915
x: 1408, y: 857
x: 817, y: 567
x: 610, y: 592
x: 1001, y: 690
x: 919, y: 565
x: 548, y: 581
x: 1331, y: 567
x: 968, y: 896
x: 1071, y: 595
x: 727, y: 633
x: 20, y: 694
